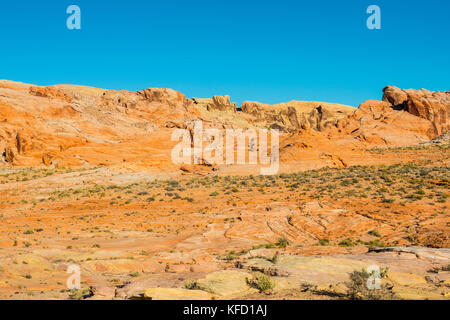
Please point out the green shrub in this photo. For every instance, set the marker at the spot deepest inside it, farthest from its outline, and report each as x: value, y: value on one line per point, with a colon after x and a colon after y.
x: 262, y: 282
x: 80, y: 294
x: 282, y: 243
x: 359, y: 290
x: 347, y: 243
x: 190, y: 284
x: 374, y: 233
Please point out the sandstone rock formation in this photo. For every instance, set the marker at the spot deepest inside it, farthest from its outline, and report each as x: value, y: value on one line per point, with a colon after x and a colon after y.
x: 227, y: 284
x: 8, y: 154
x: 377, y: 122
x: 86, y: 178
x: 433, y: 106
x: 176, y: 294
x: 221, y: 103
x: 66, y: 125
x: 404, y: 117
x: 295, y: 115
x: 49, y: 92
x: 79, y: 124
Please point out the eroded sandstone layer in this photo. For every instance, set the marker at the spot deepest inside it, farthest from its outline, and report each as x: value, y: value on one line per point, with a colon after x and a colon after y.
x: 86, y: 179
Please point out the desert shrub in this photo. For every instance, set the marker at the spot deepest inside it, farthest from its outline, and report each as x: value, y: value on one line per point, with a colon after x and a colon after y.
x: 374, y: 233
x: 324, y: 242
x: 375, y: 243
x: 229, y: 256
x: 262, y: 282
x: 190, y: 284
x: 387, y: 200
x: 173, y: 183
x: 359, y: 290
x: 80, y: 294
x: 347, y: 243
x: 282, y: 243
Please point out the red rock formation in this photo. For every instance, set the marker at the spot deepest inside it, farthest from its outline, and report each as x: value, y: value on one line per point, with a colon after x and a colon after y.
x: 404, y: 117
x: 77, y: 125
x: 433, y: 106
x: 295, y: 115
x: 49, y: 92
x: 73, y: 125
x: 221, y: 103
x: 164, y: 96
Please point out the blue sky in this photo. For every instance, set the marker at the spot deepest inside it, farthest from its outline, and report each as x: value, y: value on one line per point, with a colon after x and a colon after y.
x: 268, y: 51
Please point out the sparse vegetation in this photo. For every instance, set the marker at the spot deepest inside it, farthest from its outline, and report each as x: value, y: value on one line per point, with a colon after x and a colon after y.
x: 262, y: 282
x: 190, y: 284
x: 386, y: 199
x: 134, y: 274
x: 80, y: 294
x: 358, y: 288
x: 347, y: 243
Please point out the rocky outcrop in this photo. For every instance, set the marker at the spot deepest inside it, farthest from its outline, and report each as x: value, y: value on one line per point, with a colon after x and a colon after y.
x: 164, y: 96
x: 218, y: 102
x: 67, y: 125
x: 254, y: 108
x: 8, y: 155
x: 103, y: 292
x: 127, y: 101
x: 226, y: 284
x: 296, y: 115
x: 378, y: 122
x: 49, y: 92
x: 77, y: 125
x: 175, y: 294
x: 319, y: 118
x: 47, y: 159
x: 404, y: 117
x: 432, y: 106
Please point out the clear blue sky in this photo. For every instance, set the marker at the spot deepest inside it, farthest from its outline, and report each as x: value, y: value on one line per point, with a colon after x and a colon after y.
x: 269, y: 51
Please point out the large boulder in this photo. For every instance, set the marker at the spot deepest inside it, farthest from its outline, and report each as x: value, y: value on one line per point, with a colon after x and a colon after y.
x: 432, y: 106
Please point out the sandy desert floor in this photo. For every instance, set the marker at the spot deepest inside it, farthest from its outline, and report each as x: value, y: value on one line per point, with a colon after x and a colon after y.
x: 138, y: 234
